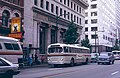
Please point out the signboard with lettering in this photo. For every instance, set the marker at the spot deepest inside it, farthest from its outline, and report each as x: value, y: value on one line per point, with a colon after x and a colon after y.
x: 15, y: 35
x: 16, y: 25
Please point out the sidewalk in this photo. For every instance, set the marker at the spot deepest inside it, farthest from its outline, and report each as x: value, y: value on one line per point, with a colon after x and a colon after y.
x: 34, y: 66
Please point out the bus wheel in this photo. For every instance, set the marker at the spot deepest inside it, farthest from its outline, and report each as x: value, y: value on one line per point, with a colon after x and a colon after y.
x: 55, y: 65
x: 86, y: 62
x: 72, y: 62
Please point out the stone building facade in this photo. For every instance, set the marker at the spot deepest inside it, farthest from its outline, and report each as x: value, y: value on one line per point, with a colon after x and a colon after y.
x: 45, y: 21
x: 8, y: 10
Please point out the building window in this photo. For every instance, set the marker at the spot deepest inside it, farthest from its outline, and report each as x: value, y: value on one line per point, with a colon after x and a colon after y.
x: 93, y: 0
x: 74, y: 18
x: 18, y: 2
x: 80, y: 21
x: 60, y: 11
x: 86, y: 36
x: 41, y: 4
x: 86, y: 21
x: 14, y: 1
x: 74, y: 6
x: 5, y: 18
x: 93, y: 13
x: 86, y: 29
x: 86, y: 14
x: 103, y: 36
x: 16, y: 15
x: 53, y: 36
x: 93, y: 21
x: 61, y: 1
x: 71, y: 4
x: 35, y: 2
x: 93, y: 6
x: 57, y: 10
x: 94, y: 29
x: 77, y: 19
x: 77, y: 8
x: 80, y: 10
x: 47, y: 5
x: 68, y: 2
x: 68, y: 15
x: 64, y: 13
x: 52, y: 8
x: 71, y: 17
x: 94, y: 36
x: 65, y: 2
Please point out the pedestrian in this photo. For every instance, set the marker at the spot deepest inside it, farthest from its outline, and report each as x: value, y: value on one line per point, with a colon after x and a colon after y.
x: 36, y: 59
x: 30, y: 61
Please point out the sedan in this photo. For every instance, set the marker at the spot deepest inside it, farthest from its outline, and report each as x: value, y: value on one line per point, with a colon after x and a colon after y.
x: 8, y: 69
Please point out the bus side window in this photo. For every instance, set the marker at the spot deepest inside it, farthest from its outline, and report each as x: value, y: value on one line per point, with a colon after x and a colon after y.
x: 66, y: 49
x: 70, y: 49
x: 0, y: 46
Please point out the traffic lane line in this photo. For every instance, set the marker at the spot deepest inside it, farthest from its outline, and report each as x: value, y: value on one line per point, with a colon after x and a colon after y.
x: 114, y: 73
x: 64, y: 73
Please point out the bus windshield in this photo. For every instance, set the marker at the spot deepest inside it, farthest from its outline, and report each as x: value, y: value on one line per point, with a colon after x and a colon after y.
x: 55, y: 50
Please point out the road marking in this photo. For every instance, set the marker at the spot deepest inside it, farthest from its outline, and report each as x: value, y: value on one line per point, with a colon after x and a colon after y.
x: 114, y: 73
x: 63, y: 73
x: 55, y: 69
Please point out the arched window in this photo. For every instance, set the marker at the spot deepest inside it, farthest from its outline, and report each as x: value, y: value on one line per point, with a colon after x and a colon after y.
x: 5, y: 18
x: 16, y: 15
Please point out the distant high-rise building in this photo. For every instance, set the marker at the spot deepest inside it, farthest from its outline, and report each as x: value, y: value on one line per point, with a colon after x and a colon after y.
x: 45, y: 21
x: 8, y: 10
x: 102, y: 24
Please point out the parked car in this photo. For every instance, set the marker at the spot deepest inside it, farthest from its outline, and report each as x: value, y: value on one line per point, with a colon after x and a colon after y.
x: 8, y: 69
x: 94, y: 57
x: 106, y: 58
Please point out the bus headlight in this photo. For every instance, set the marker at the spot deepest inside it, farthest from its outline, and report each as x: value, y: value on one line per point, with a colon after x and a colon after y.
x: 48, y: 59
x: 62, y: 59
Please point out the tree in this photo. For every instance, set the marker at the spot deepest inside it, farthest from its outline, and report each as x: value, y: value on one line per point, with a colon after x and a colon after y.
x: 71, y: 34
x: 86, y: 43
x: 116, y: 47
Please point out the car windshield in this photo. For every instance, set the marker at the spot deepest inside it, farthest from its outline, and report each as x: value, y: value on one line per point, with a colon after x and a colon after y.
x: 103, y: 54
x: 55, y: 50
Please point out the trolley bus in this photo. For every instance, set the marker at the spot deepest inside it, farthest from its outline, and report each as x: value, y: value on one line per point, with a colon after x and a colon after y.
x: 67, y: 54
x: 10, y: 49
x: 116, y: 54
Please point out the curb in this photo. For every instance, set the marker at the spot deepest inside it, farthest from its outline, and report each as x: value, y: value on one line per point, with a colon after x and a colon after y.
x: 34, y: 66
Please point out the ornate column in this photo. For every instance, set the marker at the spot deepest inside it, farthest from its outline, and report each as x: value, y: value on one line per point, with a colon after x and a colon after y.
x: 58, y: 35
x: 49, y: 34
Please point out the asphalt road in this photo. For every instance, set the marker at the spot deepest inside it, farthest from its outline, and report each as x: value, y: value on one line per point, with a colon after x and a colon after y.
x: 83, y: 71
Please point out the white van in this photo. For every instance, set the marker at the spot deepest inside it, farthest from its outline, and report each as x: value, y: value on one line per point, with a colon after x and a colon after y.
x: 10, y: 49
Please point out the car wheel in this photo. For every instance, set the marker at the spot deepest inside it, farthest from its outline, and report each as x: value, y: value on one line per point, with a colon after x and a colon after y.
x: 86, y: 62
x: 109, y: 63
x: 7, y: 76
x: 55, y: 65
x: 98, y: 63
x: 113, y: 62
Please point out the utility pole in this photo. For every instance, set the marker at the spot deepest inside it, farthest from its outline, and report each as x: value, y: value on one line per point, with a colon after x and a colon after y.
x: 95, y: 41
x: 56, y: 26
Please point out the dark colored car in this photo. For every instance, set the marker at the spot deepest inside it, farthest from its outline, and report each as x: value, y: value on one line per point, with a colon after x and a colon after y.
x: 106, y: 58
x: 8, y: 69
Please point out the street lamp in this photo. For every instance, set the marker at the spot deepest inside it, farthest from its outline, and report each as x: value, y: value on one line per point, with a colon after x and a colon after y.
x: 57, y: 18
x: 96, y: 36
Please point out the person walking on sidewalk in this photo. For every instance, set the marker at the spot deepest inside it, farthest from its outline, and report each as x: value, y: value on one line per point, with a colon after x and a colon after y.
x: 30, y: 61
